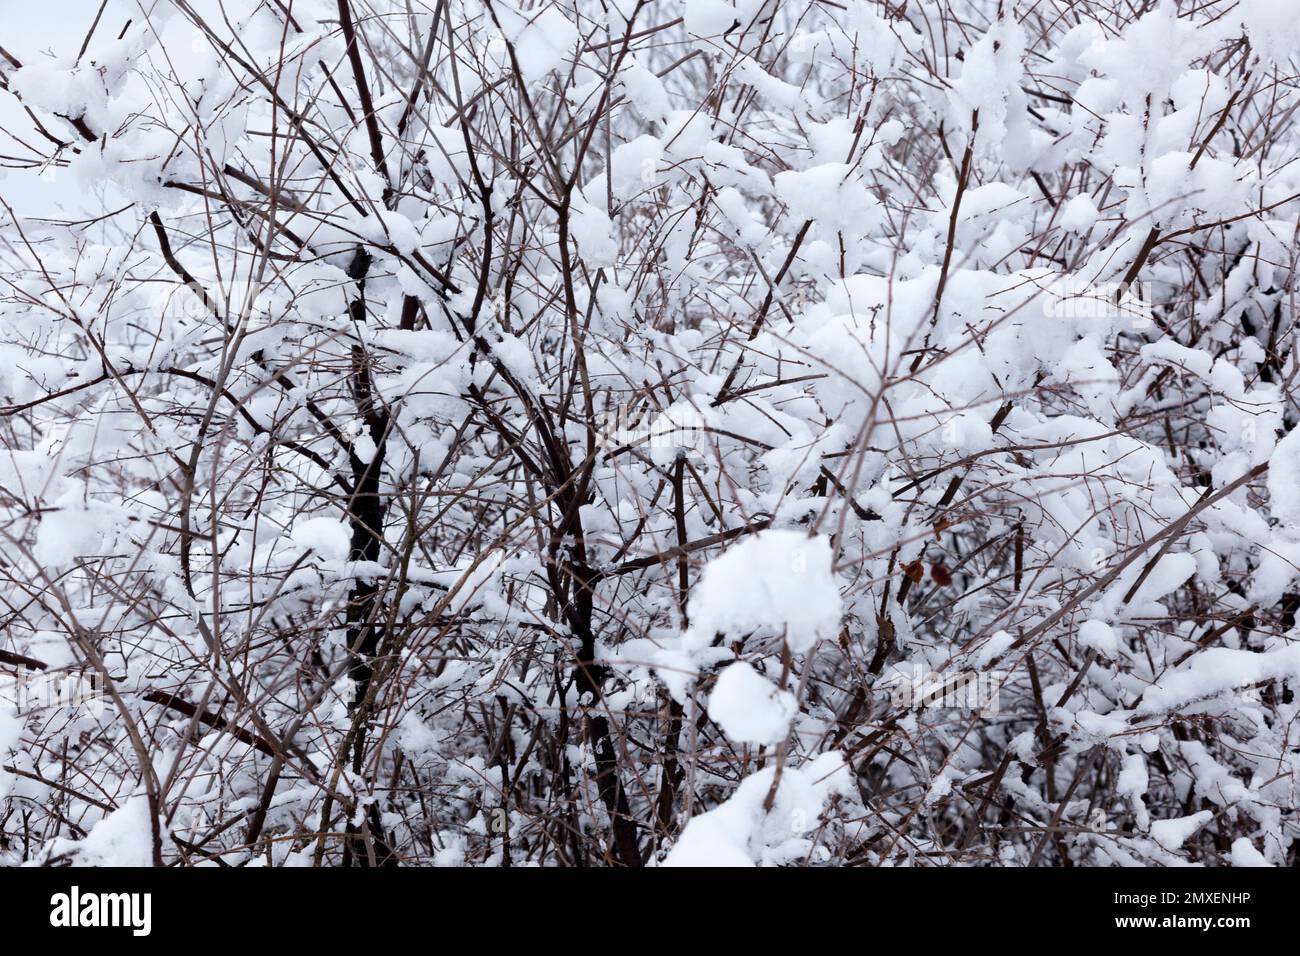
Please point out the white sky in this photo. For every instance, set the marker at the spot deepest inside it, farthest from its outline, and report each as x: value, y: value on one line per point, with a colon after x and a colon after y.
x: 32, y: 31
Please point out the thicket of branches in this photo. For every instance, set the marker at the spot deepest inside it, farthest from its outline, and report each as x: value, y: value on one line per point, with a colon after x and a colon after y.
x: 556, y: 435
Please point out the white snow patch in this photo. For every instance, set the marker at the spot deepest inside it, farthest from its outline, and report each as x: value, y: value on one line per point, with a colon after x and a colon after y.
x: 541, y: 40
x: 328, y: 537
x: 1172, y: 834
x: 1245, y: 854
x: 749, y: 708
x: 774, y: 581
x: 123, y: 838
x: 739, y: 832
x: 1099, y: 636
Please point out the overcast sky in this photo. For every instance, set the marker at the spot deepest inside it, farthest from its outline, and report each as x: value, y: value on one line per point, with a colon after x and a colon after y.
x: 32, y: 31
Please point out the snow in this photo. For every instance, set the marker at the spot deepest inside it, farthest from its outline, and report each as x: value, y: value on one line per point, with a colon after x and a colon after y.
x: 994, y: 648
x: 400, y: 231
x: 11, y: 730
x: 634, y: 166
x: 798, y: 404
x: 1132, y: 782
x: 70, y: 533
x: 542, y: 38
x: 1099, y: 636
x: 327, y: 537
x: 646, y: 92
x: 1151, y: 52
x: 594, y: 233
x: 990, y: 84
x: 749, y: 708
x: 1284, y: 483
x: 1172, y: 834
x: 832, y: 196
x: 1079, y: 214
x: 708, y: 18
x: 1216, y: 670
x: 1245, y: 854
x: 1273, y: 28
x: 740, y: 833
x: 1168, y: 574
x: 1195, y: 361
x: 122, y: 838
x: 778, y: 582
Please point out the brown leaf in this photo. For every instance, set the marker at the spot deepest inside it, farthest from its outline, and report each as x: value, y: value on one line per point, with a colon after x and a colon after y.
x: 940, y: 575
x: 914, y: 570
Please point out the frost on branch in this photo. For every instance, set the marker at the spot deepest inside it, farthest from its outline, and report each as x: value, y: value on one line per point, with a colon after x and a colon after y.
x: 768, y: 432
